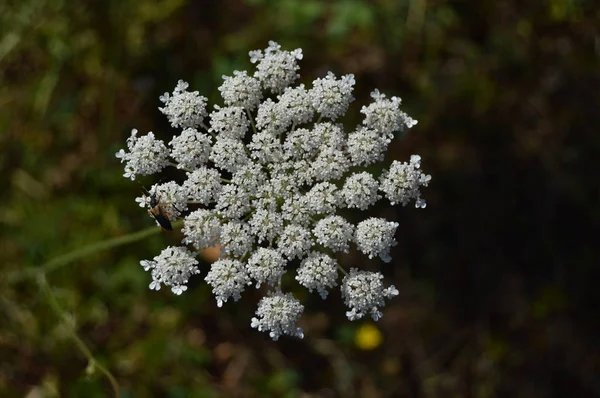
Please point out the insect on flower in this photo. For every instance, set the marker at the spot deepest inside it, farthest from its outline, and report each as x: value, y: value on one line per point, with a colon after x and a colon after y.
x: 157, y: 210
x: 158, y: 213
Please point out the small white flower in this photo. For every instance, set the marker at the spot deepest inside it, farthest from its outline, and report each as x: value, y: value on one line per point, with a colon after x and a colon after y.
x: 202, y: 185
x: 272, y: 118
x: 331, y: 97
x: 363, y: 293
x: 229, y: 122
x: 318, y: 272
x: 241, y: 90
x: 295, y: 104
x: 276, y: 69
x: 375, y: 237
x: 172, y: 267
x: 366, y: 146
x: 282, y: 185
x: 277, y: 314
x: 266, y: 225
x: 250, y: 176
x: 360, y: 191
x: 229, y: 154
x: 269, y: 194
x: 236, y: 239
x: 384, y: 115
x: 201, y: 229
x: 297, y: 210
x: 334, y: 232
x: 232, y: 202
x: 295, y: 241
x: 323, y: 198
x: 302, y: 172
x: 191, y: 148
x: 228, y: 279
x: 146, y: 155
x: 301, y: 144
x: 331, y: 164
x: 299, y: 172
x: 266, y: 266
x: 265, y: 148
x: 402, y: 181
x: 184, y: 109
x: 329, y: 135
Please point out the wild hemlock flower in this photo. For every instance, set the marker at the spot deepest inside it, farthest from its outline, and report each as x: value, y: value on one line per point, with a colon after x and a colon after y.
x: 265, y: 176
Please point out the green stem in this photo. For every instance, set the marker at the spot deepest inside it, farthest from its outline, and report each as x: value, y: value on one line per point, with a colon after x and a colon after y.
x: 176, y: 165
x: 87, y: 353
x: 251, y: 121
x: 39, y: 273
x: 62, y: 260
x: 342, y: 269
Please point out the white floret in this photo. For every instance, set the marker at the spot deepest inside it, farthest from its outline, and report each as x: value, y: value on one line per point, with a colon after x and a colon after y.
x: 241, y: 90
x: 302, y: 144
x: 184, y: 109
x: 318, y: 272
x: 295, y: 102
x: 334, y: 232
x: 232, y: 202
x: 276, y: 69
x: 229, y: 122
x: 228, y: 279
x: 363, y: 293
x: 266, y: 225
x: 266, y: 265
x: 360, y: 191
x: 202, y: 185
x: 277, y: 314
x: 331, y: 97
x: 201, y: 229
x: 297, y: 210
x: 172, y: 199
x: 265, y: 148
x: 329, y: 135
x: 236, y: 239
x: 272, y: 118
x: 384, y: 115
x: 146, y: 155
x: 172, y: 267
x: 330, y: 164
x: 323, y: 198
x: 251, y: 177
x: 402, y: 182
x: 229, y: 154
x: 295, y: 241
x: 375, y: 236
x: 366, y: 146
x: 190, y: 149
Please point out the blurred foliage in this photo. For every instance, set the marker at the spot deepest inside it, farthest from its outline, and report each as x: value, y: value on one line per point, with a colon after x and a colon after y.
x: 498, y: 276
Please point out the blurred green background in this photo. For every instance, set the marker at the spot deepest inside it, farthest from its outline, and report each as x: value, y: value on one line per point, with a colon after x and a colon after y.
x: 499, y: 275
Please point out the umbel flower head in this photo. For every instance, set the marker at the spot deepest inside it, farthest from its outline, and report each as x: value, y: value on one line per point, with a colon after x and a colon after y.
x: 266, y: 175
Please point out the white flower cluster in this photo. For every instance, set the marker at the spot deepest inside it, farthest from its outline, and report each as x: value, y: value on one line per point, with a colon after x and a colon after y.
x: 266, y: 175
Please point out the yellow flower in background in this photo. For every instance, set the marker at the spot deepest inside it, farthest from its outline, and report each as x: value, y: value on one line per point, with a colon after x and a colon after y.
x: 368, y: 337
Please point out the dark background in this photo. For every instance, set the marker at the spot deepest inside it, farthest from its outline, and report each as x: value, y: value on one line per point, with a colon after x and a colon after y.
x: 499, y: 275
